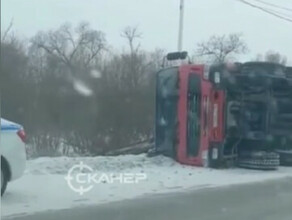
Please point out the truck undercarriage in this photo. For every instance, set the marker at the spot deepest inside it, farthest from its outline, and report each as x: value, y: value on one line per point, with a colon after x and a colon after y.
x: 258, y: 114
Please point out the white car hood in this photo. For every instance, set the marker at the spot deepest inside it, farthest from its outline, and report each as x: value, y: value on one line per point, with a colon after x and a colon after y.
x: 9, y: 125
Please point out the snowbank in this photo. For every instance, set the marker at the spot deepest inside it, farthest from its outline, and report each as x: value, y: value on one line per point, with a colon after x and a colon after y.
x: 61, y: 165
x: 43, y: 186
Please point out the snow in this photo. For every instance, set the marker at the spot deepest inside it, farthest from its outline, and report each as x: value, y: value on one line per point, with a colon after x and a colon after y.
x: 95, y: 73
x: 82, y: 88
x: 43, y: 186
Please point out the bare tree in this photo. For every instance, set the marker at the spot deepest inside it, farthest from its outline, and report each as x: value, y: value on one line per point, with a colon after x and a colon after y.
x: 275, y: 57
x: 221, y: 48
x: 6, y: 32
x: 132, y: 63
x: 131, y: 34
x: 9, y: 37
x: 74, y: 48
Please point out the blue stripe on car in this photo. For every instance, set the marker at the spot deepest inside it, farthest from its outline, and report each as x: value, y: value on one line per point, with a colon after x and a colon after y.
x: 9, y: 126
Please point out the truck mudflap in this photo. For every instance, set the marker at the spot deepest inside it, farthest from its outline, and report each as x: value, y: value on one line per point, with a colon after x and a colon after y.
x: 259, y: 160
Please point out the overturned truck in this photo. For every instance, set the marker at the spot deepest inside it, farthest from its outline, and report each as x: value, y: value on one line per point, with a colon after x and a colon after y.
x: 228, y: 114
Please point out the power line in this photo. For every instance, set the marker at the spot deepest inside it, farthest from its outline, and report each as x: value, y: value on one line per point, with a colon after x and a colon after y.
x: 271, y: 12
x: 266, y: 10
x: 274, y: 5
x: 280, y: 13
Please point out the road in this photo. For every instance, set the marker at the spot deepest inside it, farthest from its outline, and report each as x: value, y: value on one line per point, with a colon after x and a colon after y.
x: 268, y: 201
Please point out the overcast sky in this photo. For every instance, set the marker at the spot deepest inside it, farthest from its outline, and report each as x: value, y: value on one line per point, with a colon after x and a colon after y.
x: 157, y: 20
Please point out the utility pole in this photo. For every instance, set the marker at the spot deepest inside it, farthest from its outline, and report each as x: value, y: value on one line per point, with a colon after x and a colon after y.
x: 181, y: 23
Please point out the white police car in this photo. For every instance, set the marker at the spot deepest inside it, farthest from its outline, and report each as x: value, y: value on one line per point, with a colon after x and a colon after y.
x: 13, y: 153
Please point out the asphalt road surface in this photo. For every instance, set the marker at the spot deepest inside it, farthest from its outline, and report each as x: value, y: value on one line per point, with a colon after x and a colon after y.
x: 265, y: 201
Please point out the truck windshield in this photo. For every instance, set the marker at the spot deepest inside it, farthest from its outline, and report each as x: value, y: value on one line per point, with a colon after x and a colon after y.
x: 166, y: 110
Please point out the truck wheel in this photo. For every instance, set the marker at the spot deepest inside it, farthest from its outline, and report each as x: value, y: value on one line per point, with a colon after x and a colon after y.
x: 259, y: 160
x: 285, y: 157
x: 3, y: 180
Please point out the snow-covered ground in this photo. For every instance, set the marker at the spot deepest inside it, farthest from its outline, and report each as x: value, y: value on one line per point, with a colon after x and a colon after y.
x: 43, y: 187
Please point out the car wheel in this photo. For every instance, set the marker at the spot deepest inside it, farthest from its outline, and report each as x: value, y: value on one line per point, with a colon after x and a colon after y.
x: 3, y: 180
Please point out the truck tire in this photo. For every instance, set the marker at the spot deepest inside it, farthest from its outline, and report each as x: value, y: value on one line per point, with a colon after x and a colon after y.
x: 285, y: 157
x: 4, y: 180
x: 259, y: 160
